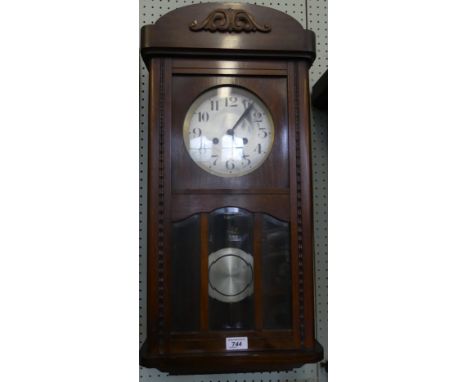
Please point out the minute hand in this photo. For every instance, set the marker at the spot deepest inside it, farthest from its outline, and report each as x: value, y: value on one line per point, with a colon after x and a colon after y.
x: 231, y: 131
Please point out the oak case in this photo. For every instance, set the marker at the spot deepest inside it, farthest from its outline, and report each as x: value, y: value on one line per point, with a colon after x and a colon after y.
x: 182, y: 66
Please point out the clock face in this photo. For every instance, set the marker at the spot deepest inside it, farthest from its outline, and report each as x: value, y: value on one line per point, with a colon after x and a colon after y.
x: 228, y: 131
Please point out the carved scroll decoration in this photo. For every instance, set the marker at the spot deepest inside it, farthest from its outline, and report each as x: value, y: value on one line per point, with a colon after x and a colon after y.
x: 229, y: 20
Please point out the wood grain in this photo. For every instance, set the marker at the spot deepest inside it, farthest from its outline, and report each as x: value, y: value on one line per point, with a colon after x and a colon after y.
x: 171, y: 36
x: 204, y: 272
x: 258, y: 280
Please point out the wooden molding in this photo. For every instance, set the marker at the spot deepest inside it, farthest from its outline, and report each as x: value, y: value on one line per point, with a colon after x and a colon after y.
x: 213, y: 30
x: 160, y: 237
x: 299, y: 203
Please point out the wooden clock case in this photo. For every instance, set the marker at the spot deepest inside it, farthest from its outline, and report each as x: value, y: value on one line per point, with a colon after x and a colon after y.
x: 187, y: 51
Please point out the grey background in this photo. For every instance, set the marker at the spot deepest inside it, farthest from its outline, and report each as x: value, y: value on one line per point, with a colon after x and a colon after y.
x: 312, y: 14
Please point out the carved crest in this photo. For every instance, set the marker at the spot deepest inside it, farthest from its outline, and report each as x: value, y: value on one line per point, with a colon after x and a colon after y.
x: 229, y: 20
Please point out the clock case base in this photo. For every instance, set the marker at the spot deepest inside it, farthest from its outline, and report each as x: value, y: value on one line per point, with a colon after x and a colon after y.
x: 230, y: 362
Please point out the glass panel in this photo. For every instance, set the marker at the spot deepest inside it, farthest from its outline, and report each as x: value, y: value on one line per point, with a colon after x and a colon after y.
x: 230, y: 270
x: 185, y: 274
x: 276, y: 274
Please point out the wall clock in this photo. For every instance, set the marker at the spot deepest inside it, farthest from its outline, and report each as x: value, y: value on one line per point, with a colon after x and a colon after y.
x: 230, y: 243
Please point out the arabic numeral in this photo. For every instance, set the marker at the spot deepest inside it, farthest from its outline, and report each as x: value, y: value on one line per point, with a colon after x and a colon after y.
x: 203, y: 116
x: 262, y: 133
x: 216, y: 159
x: 258, y: 149
x: 197, y: 132
x: 257, y: 116
x: 231, y: 101
x: 214, y: 105
x: 246, y: 157
x: 235, y: 344
x: 230, y: 165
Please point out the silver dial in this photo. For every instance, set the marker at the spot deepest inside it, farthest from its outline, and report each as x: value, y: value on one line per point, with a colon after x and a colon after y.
x: 228, y: 131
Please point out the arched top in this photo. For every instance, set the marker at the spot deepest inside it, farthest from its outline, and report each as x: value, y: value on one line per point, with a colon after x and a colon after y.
x: 227, y: 29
